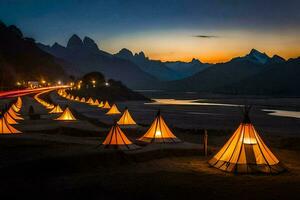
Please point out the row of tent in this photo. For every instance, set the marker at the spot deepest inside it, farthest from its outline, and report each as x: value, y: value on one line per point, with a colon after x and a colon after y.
x: 9, y: 117
x: 244, y: 152
x: 125, y: 119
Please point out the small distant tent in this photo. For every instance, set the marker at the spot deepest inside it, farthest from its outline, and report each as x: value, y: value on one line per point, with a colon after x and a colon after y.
x: 15, y: 115
x: 77, y: 98
x: 19, y: 102
x: 6, y: 128
x: 106, y: 105
x: 10, y: 119
x: 113, y: 110
x: 90, y: 101
x: 245, y: 152
x: 126, y: 119
x: 159, y: 132
x: 96, y: 102
x: 72, y: 97
x: 68, y: 96
x: 82, y: 100
x: 66, y: 115
x: 56, y: 109
x: 100, y: 104
x: 116, y: 139
x: 15, y: 108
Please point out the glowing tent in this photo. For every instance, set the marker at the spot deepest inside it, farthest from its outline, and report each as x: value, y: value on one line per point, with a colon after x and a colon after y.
x: 113, y: 110
x: 19, y: 102
x: 82, y: 100
x: 10, y: 119
x: 14, y: 114
x: 66, y: 116
x: 15, y: 108
x: 96, y: 103
x: 116, y: 139
x: 90, y: 101
x: 6, y: 128
x: 77, y: 98
x: 126, y: 119
x: 100, y: 104
x: 56, y: 109
x: 106, y: 105
x: 159, y: 132
x: 245, y: 152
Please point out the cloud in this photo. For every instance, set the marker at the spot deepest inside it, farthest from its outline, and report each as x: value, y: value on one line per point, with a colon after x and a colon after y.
x: 205, y: 36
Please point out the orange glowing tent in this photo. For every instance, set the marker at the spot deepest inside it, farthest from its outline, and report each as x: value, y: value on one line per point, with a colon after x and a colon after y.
x: 77, y: 98
x: 9, y: 118
x: 159, y: 132
x: 56, y: 109
x: 68, y: 96
x: 100, y: 104
x: 126, y: 119
x: 116, y: 139
x: 96, y: 103
x: 66, y: 116
x: 245, y: 152
x: 14, y: 115
x: 90, y: 101
x: 6, y: 128
x: 106, y: 105
x: 113, y: 110
x: 19, y: 102
x: 15, y: 108
x: 82, y: 100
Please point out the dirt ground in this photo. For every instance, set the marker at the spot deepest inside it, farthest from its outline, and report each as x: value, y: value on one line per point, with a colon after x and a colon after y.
x: 66, y: 162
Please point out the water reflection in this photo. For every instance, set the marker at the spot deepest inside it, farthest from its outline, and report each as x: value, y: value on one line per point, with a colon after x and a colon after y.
x: 283, y: 113
x: 189, y: 102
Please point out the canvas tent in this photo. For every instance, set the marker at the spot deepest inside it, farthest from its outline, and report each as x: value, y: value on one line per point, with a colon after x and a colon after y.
x: 15, y: 115
x: 82, y: 100
x: 9, y: 118
x: 5, y: 127
x: 90, y: 101
x: 106, y: 105
x: 126, y: 119
x: 56, y: 109
x: 66, y: 116
x: 100, y: 104
x: 159, y: 132
x: 113, y: 110
x: 245, y: 152
x: 116, y: 139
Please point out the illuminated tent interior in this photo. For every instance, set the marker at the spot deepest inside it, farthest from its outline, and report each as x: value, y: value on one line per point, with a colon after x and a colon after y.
x: 66, y: 116
x: 14, y: 115
x: 77, y: 99
x: 159, y: 132
x: 245, y: 152
x: 100, y: 104
x: 106, y: 105
x: 113, y: 110
x: 90, y: 101
x: 82, y: 100
x: 15, y: 108
x: 5, y: 127
x: 116, y: 139
x: 126, y: 119
x: 10, y: 119
x: 56, y: 109
x: 96, y: 103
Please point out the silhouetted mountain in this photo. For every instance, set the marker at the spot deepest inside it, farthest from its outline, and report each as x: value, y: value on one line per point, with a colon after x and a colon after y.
x: 256, y: 73
x: 153, y: 67
x: 187, y: 69
x: 22, y: 60
x: 85, y: 57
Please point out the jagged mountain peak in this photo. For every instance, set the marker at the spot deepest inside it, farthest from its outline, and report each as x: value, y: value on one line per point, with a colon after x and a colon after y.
x: 74, y: 42
x: 125, y: 53
x: 90, y: 43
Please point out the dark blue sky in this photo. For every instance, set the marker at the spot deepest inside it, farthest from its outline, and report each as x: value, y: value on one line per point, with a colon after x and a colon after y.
x: 112, y: 21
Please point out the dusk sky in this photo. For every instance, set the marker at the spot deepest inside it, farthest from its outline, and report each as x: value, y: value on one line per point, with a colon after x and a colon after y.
x: 212, y: 30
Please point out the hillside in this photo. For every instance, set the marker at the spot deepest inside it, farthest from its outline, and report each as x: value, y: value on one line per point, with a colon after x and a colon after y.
x: 22, y: 60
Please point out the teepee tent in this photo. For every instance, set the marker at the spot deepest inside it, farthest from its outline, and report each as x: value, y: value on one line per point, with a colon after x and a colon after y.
x: 9, y: 118
x: 14, y: 114
x: 19, y: 103
x: 245, y: 152
x: 77, y: 98
x: 159, y: 132
x: 66, y: 116
x: 90, y: 101
x: 126, y: 119
x: 5, y: 127
x: 113, y: 110
x: 15, y: 108
x: 82, y: 100
x: 106, y: 105
x: 116, y: 139
x: 100, y: 104
x: 56, y: 109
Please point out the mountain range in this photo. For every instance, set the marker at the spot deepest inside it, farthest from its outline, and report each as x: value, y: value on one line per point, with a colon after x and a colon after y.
x: 22, y: 60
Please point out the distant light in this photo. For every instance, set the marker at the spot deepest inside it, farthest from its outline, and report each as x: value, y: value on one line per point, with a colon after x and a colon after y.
x: 43, y: 81
x: 59, y: 82
x: 106, y: 84
x: 18, y: 83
